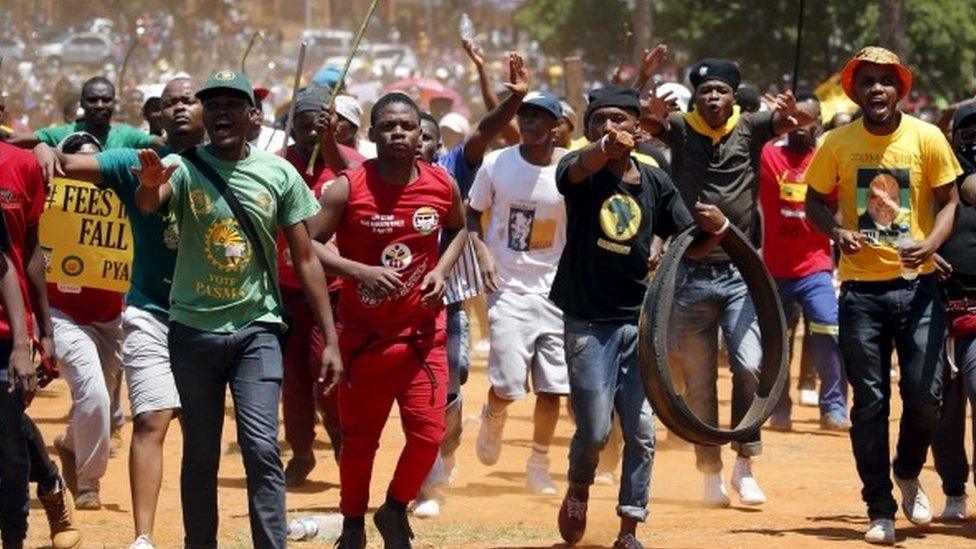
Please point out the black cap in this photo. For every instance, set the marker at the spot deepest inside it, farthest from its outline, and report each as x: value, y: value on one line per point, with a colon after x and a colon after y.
x: 964, y: 117
x: 715, y: 69
x: 622, y: 97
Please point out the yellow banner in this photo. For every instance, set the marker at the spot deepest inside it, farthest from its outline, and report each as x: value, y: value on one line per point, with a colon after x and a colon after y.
x: 85, y: 237
x: 833, y: 99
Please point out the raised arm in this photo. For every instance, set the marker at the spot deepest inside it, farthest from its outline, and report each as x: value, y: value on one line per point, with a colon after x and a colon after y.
x: 499, y: 117
x: 510, y: 131
x: 154, y: 189
x: 650, y: 63
x: 788, y: 115
x: 593, y: 157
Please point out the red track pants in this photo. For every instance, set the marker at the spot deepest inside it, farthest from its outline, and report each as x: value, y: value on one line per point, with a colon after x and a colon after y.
x: 381, y: 369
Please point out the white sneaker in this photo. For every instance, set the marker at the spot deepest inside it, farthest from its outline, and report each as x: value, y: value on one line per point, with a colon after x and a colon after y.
x: 426, y: 508
x: 142, y: 542
x: 450, y: 470
x: 881, y: 531
x: 715, y: 493
x: 955, y: 510
x: 744, y: 483
x: 809, y: 397
x: 537, y: 476
x: 604, y: 478
x: 489, y: 444
x: 914, y: 503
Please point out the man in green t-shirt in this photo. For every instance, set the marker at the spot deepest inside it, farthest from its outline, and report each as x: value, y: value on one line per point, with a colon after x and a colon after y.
x: 98, y: 102
x: 225, y: 309
x: 145, y: 323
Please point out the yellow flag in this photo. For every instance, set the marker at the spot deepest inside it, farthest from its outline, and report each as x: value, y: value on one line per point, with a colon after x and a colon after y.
x: 833, y: 100
x: 85, y: 237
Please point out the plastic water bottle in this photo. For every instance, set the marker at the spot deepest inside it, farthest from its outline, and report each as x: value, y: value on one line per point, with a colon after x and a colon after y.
x: 905, y: 240
x: 466, y: 28
x: 316, y: 526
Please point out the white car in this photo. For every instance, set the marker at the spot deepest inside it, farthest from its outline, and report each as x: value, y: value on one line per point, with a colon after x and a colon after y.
x: 85, y: 48
x: 11, y: 49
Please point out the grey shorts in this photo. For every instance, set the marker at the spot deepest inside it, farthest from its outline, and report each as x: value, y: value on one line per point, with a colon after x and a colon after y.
x: 526, y: 344
x: 145, y: 356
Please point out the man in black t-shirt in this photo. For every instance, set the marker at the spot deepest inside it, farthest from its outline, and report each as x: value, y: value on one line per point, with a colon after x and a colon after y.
x: 614, y: 206
x: 715, y: 153
x: 956, y: 265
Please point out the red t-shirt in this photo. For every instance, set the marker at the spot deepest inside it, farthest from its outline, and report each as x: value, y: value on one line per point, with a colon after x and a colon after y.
x: 398, y: 227
x: 287, y: 278
x: 792, y: 247
x: 85, y: 305
x: 22, y: 195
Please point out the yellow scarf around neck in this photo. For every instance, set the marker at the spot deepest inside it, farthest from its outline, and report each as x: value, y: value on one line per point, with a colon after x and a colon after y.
x: 698, y: 124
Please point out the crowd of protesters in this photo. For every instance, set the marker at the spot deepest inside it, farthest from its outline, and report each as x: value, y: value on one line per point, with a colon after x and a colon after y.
x: 310, y: 272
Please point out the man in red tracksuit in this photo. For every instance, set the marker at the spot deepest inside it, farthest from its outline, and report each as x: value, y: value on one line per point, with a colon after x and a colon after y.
x: 387, y: 216
x: 303, y: 348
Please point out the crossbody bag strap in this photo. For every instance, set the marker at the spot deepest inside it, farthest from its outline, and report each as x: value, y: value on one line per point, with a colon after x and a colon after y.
x: 243, y: 219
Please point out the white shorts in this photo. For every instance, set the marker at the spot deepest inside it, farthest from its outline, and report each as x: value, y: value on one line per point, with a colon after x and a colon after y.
x: 145, y: 355
x: 526, y: 342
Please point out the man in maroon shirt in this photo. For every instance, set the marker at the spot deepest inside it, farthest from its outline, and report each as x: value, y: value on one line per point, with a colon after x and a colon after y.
x: 303, y: 348
x: 799, y: 259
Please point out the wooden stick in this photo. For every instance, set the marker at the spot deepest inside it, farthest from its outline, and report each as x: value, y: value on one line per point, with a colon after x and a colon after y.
x: 342, y: 78
x: 247, y: 51
x: 294, y: 93
x: 125, y: 63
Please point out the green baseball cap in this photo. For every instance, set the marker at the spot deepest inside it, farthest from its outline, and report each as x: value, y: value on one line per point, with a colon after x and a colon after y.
x: 227, y: 80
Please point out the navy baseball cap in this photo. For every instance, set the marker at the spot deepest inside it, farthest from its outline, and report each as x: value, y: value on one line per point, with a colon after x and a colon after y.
x: 965, y: 116
x: 544, y: 100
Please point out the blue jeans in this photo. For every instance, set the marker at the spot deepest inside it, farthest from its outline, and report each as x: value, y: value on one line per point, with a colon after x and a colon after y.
x: 873, y: 315
x: 204, y: 364
x: 949, y: 442
x: 710, y: 297
x: 458, y: 362
x: 14, y: 457
x: 604, y: 376
x: 815, y: 295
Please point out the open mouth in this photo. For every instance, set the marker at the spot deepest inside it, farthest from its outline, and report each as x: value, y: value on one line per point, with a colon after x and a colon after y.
x: 222, y: 129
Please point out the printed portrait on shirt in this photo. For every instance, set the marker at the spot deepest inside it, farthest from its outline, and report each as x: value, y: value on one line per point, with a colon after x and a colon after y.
x: 883, y: 203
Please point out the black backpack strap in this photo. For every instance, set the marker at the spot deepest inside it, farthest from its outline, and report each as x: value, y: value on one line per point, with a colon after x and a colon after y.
x: 243, y: 219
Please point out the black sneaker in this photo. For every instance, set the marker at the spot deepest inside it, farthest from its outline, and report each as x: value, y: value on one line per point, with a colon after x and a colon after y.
x: 627, y: 541
x: 394, y: 527
x: 572, y: 514
x: 351, y: 538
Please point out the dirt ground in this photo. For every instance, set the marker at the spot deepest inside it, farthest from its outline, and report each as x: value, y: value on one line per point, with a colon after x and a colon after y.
x: 808, y: 476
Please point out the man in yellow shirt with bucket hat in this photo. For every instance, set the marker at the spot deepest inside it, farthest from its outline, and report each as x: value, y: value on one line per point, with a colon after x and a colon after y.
x: 889, y: 292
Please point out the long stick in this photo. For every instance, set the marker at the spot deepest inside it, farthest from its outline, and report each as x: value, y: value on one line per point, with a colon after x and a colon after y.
x: 342, y: 77
x: 125, y: 62
x: 294, y: 93
x: 799, y: 40
x: 247, y: 51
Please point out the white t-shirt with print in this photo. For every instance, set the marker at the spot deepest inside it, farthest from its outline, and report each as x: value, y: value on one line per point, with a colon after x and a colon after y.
x: 527, y: 225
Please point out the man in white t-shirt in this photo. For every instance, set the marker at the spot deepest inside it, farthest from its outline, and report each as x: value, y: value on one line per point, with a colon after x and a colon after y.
x: 519, y: 254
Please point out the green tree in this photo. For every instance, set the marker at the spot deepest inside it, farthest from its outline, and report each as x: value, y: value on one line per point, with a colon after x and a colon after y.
x: 939, y: 36
x: 594, y: 28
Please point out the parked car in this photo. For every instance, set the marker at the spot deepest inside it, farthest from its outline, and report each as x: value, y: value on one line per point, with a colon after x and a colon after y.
x: 327, y: 43
x: 11, y: 49
x: 83, y: 48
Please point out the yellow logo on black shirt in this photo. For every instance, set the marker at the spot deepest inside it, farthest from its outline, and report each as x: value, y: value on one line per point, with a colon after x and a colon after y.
x: 620, y: 217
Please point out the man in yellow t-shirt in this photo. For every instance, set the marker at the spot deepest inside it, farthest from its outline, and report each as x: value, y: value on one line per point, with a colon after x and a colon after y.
x: 894, y: 175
